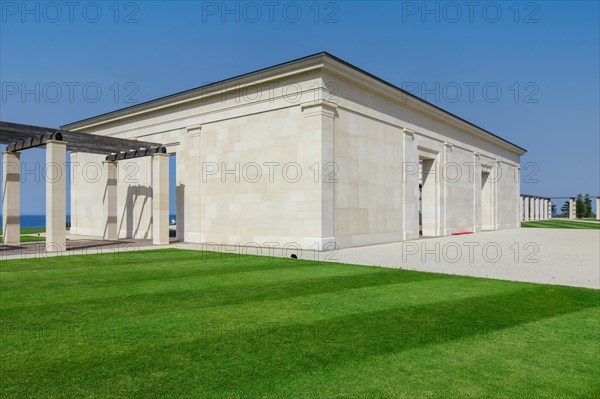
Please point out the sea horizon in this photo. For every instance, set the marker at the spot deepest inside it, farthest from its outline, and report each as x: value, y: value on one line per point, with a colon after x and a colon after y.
x: 39, y: 220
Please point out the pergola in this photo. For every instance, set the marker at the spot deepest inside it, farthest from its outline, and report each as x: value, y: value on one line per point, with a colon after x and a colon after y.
x: 20, y: 137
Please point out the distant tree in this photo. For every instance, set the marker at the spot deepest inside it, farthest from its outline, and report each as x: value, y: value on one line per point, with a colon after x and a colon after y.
x: 579, y: 207
x: 587, y: 206
x: 554, y: 209
x: 565, y: 209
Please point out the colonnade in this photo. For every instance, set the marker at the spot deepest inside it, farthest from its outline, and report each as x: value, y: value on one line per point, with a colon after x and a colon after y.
x: 534, y: 207
x: 56, y: 198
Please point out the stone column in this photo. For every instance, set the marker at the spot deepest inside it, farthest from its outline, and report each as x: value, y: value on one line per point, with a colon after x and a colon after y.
x: 543, y: 209
x: 111, y: 230
x: 11, y: 208
x: 531, y: 208
x: 572, y: 210
x: 56, y: 196
x: 549, y: 209
x: 537, y: 208
x: 160, y: 199
x: 597, y: 208
x: 527, y: 208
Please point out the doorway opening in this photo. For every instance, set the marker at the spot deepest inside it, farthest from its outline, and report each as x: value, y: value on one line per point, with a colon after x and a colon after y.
x: 428, y: 202
x: 486, y: 202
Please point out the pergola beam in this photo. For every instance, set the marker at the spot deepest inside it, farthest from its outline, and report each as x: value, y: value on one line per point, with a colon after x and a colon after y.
x: 136, y: 154
x: 15, y: 133
x: 33, y: 142
x: 57, y: 142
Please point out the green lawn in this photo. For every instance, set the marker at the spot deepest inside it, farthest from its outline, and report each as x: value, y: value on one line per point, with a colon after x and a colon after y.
x: 30, y: 230
x: 27, y: 239
x: 561, y: 224
x: 186, y: 324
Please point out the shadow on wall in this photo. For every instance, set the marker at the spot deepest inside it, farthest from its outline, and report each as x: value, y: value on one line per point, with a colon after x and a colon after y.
x: 135, y: 194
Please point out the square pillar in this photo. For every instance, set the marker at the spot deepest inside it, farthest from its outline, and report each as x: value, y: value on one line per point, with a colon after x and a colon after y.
x: 11, y: 208
x: 572, y: 210
x: 56, y: 196
x: 597, y: 208
x: 536, y: 210
x: 160, y: 199
x: 527, y: 208
x: 545, y: 210
x: 111, y: 230
x: 549, y: 209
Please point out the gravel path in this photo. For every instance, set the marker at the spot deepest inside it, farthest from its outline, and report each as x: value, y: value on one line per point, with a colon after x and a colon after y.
x: 550, y: 256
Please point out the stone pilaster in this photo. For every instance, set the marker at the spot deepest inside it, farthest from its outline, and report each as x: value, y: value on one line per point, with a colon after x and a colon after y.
x: 319, y: 118
x: 521, y: 209
x: 443, y: 211
x: 189, y: 184
x: 476, y: 193
x: 410, y: 183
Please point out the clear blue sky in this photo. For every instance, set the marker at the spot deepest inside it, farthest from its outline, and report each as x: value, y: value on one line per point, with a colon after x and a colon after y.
x: 543, y: 56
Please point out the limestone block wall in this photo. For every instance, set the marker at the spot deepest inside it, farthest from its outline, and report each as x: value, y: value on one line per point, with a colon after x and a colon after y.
x: 369, y: 187
x: 257, y: 185
x: 508, y: 197
x: 258, y: 167
x: 134, y: 196
x: 87, y: 194
x: 219, y: 143
x: 376, y: 138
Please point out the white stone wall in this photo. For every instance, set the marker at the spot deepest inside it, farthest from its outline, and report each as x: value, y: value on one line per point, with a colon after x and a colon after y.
x: 355, y: 149
x: 375, y: 203
x: 368, y: 195
x: 134, y: 196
